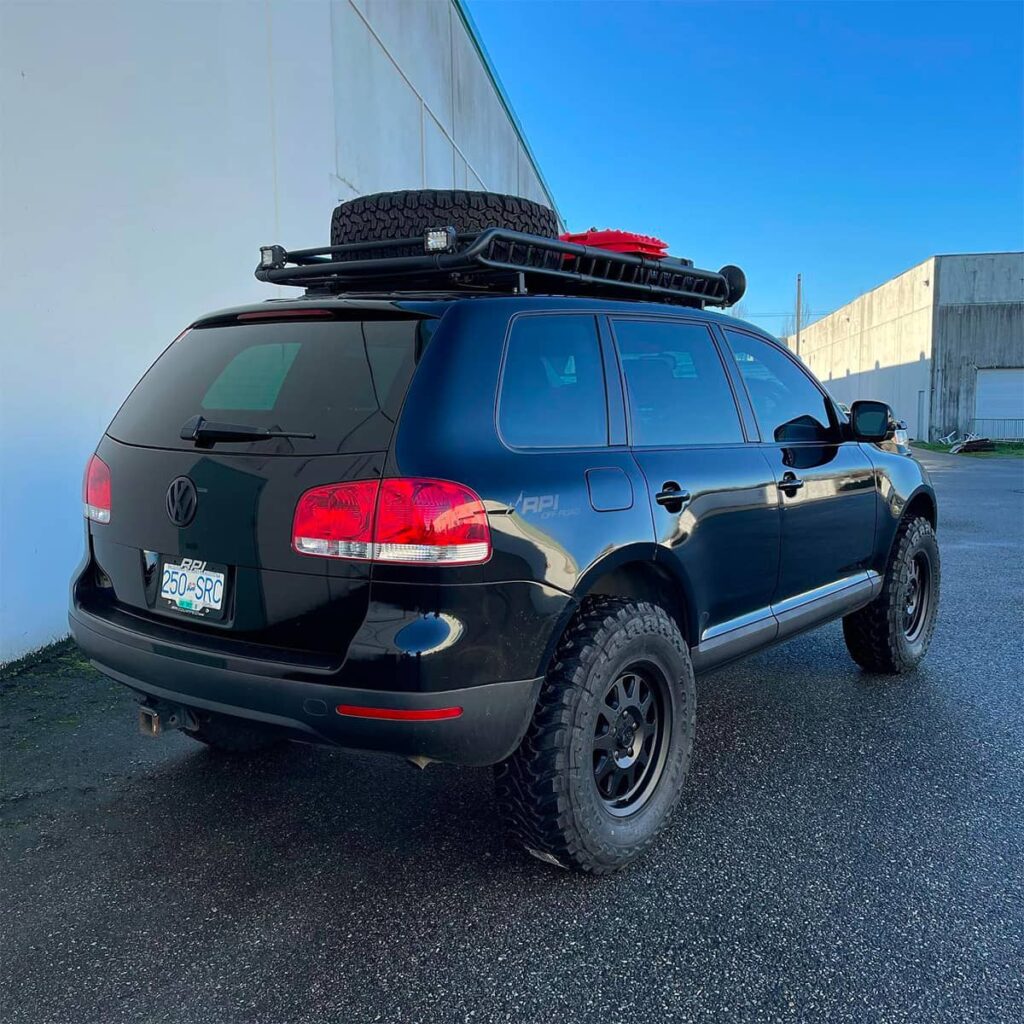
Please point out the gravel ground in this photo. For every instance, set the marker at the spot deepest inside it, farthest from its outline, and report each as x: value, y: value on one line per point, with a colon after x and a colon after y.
x: 848, y: 849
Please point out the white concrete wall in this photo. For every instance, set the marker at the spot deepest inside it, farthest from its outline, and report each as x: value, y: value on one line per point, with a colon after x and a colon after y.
x: 413, y: 62
x: 879, y: 346
x: 980, y: 277
x: 146, y: 150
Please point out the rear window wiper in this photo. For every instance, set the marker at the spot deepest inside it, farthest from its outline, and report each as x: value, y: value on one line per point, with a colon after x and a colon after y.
x: 207, y: 433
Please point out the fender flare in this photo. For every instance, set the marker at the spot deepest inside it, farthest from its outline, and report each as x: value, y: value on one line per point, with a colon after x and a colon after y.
x: 645, y: 554
x: 922, y: 496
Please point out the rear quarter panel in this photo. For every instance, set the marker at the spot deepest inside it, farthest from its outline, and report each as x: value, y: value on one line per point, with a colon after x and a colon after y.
x: 544, y: 527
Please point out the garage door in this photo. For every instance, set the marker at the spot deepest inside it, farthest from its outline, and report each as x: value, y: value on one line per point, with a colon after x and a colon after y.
x: 999, y: 403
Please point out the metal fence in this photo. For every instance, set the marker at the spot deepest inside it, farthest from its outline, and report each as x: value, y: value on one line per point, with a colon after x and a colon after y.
x: 999, y: 430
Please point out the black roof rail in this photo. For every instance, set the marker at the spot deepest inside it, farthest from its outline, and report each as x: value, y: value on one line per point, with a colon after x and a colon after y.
x: 498, y: 259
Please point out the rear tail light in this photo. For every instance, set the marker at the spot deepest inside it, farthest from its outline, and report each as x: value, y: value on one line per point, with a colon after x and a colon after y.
x: 430, y: 521
x: 336, y: 521
x: 410, y: 521
x: 96, y: 491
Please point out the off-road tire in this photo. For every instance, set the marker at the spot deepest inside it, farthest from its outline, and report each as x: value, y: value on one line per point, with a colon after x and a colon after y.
x: 546, y: 790
x: 233, y: 735
x: 409, y: 214
x: 876, y: 635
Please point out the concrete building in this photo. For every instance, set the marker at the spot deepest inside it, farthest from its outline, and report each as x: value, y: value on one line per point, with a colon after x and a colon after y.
x: 942, y: 343
x: 146, y: 150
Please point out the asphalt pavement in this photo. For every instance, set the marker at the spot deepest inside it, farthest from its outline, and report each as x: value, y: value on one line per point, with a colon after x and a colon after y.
x: 849, y: 848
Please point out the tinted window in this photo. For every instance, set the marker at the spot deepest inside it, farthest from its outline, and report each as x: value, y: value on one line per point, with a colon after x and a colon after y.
x: 788, y: 405
x: 252, y: 380
x: 678, y: 390
x: 552, y: 390
x: 341, y: 380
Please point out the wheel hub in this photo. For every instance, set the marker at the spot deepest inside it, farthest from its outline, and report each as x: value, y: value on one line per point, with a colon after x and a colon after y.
x: 912, y: 592
x: 630, y: 736
x: 915, y: 608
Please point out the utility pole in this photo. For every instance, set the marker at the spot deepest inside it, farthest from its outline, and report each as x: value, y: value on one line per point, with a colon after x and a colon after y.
x: 798, y: 307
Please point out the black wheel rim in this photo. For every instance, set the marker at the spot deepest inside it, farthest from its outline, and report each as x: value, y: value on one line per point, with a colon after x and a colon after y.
x: 631, y: 739
x: 919, y: 596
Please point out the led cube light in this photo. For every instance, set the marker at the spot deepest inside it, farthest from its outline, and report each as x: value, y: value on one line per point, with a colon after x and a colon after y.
x: 439, y: 240
x: 272, y: 257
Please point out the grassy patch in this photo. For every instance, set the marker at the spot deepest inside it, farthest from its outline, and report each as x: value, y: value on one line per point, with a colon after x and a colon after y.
x: 59, y: 660
x: 1004, y: 450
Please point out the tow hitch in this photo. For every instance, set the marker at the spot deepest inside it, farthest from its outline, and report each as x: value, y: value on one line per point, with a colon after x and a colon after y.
x: 156, y: 719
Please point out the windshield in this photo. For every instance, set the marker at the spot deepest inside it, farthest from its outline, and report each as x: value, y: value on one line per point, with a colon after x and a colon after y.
x: 343, y: 381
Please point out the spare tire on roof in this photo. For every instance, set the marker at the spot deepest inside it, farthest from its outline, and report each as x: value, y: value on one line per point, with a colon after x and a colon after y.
x: 410, y: 214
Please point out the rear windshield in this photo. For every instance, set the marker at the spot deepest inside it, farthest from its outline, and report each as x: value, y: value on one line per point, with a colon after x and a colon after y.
x: 343, y: 381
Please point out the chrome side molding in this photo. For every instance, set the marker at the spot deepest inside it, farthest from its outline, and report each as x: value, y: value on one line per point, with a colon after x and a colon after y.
x: 734, y: 638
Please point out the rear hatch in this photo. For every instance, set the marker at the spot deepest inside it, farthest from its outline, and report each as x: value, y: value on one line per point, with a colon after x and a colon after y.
x: 199, y: 538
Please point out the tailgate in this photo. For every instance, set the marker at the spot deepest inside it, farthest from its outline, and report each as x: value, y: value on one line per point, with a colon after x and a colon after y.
x: 199, y: 533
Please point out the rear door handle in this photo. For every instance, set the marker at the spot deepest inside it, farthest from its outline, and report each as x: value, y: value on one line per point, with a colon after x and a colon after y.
x: 790, y: 482
x: 672, y: 496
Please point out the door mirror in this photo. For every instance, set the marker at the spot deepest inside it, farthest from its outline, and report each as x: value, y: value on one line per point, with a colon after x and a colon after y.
x: 870, y: 421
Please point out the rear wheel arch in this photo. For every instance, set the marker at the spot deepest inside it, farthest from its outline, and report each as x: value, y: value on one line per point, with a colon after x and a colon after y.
x: 633, y: 575
x: 643, y: 579
x: 620, y: 696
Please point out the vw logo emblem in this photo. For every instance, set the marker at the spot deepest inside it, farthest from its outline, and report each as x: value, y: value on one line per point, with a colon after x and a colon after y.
x: 181, y: 501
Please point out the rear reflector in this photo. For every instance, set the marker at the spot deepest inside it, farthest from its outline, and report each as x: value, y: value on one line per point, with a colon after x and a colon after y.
x: 96, y: 491
x: 403, y: 520
x: 399, y: 714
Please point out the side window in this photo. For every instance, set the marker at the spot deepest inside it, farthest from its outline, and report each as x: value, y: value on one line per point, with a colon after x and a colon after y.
x: 677, y: 387
x: 787, y: 404
x: 552, y: 389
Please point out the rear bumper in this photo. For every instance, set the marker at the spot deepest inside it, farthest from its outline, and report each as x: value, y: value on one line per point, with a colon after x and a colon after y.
x: 492, y: 722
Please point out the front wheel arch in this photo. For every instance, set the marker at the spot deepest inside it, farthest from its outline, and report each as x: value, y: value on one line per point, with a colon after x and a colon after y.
x: 920, y: 504
x: 883, y: 636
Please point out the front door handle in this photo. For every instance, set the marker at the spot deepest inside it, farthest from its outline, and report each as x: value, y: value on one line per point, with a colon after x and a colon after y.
x: 790, y: 482
x: 672, y: 496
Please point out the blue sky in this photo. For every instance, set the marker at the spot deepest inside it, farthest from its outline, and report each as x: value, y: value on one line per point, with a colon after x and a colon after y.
x: 846, y: 141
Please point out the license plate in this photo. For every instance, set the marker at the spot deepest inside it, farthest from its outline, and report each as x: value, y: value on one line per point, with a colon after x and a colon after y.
x: 191, y: 587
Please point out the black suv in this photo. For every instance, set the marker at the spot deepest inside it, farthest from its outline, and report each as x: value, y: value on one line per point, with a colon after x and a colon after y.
x: 487, y: 496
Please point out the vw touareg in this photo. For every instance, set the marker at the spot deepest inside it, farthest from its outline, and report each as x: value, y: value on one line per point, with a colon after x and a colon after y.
x: 488, y: 496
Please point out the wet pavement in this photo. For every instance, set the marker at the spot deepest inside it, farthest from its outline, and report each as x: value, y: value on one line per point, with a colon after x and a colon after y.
x: 848, y: 849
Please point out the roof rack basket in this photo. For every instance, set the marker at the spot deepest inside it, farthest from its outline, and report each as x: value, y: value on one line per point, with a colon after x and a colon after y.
x: 497, y: 260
